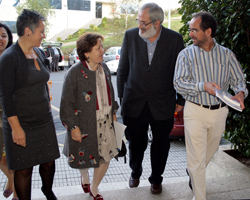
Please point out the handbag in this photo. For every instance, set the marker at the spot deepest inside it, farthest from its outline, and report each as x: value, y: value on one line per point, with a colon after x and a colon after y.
x: 123, y: 151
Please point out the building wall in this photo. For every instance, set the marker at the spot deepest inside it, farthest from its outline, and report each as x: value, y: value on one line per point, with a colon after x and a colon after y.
x: 62, y: 20
x: 70, y: 19
x: 106, y: 10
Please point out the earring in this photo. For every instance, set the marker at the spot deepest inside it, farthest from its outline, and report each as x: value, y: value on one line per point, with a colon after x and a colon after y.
x: 88, y: 60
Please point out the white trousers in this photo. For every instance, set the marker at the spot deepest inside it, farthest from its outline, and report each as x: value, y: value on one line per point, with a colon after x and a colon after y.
x: 203, y: 132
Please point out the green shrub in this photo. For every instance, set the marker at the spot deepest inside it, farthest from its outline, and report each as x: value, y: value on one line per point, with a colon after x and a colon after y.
x: 58, y: 39
x: 104, y: 19
x: 104, y: 24
x: 95, y: 28
x: 69, y: 37
x: 91, y: 26
x: 81, y: 31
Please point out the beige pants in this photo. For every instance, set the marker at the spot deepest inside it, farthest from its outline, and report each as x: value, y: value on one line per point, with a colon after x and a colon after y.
x: 203, y: 132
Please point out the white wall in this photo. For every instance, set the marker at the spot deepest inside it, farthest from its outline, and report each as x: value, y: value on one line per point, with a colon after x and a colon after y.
x: 69, y: 19
x: 106, y: 10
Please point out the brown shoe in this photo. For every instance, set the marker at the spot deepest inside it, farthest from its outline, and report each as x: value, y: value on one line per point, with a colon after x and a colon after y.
x: 133, y: 182
x: 156, y: 188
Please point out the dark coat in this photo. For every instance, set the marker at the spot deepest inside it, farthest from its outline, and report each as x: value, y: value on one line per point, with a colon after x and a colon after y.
x: 75, y: 110
x: 138, y: 82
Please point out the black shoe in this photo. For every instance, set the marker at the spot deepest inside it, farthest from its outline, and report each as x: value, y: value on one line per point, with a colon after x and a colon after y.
x: 190, y: 184
x: 49, y: 195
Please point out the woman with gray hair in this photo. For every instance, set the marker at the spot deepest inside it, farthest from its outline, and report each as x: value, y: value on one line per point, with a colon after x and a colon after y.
x: 28, y: 127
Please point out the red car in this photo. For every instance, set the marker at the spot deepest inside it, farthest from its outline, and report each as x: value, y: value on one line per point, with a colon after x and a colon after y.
x: 178, y: 129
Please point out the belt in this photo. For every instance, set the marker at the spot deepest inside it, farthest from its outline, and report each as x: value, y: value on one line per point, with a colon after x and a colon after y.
x: 213, y: 107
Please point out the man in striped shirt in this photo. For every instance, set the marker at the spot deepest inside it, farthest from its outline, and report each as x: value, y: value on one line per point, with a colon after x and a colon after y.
x: 200, y: 68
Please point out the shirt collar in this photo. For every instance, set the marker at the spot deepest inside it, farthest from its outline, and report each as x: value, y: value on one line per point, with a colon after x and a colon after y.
x: 213, y: 48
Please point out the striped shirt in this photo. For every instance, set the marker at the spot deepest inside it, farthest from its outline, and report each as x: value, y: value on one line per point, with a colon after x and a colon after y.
x: 195, y: 66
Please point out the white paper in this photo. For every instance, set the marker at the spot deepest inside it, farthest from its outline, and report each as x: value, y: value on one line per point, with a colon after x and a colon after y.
x: 226, y: 98
x: 119, y: 131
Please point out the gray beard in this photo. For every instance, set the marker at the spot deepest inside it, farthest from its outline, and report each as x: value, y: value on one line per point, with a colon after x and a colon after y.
x: 149, y: 33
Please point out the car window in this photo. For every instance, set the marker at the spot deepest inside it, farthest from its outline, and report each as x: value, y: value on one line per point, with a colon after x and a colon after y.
x: 110, y: 51
x: 113, y: 51
x: 119, y: 51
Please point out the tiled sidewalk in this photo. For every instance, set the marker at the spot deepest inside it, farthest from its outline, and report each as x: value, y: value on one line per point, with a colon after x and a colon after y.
x: 118, y: 172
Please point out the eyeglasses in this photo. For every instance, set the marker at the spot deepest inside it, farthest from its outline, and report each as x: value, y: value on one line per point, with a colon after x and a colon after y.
x: 194, y: 31
x: 143, y: 24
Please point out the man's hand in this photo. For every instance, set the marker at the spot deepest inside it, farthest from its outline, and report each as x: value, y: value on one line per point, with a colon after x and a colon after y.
x: 240, y: 98
x: 76, y: 134
x: 209, y: 87
x: 178, y: 108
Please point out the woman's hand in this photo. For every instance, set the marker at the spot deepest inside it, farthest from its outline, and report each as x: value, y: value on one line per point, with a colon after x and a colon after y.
x: 19, y: 137
x: 18, y: 134
x: 114, y: 117
x: 76, y: 134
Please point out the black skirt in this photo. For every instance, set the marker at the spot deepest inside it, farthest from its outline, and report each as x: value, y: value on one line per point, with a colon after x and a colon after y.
x: 41, y: 146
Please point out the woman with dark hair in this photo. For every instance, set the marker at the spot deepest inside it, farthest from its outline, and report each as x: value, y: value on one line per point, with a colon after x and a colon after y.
x: 28, y: 127
x: 5, y: 42
x: 87, y: 110
x: 7, y: 35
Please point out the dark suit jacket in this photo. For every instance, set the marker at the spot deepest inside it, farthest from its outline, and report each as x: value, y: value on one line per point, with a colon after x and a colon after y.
x: 138, y: 82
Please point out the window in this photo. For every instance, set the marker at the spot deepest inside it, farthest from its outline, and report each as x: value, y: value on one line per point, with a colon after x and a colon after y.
x: 79, y: 5
x: 57, y: 4
x: 110, y: 51
x: 11, y: 25
x: 98, y: 10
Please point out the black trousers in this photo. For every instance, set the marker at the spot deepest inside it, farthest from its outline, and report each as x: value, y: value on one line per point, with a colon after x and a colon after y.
x: 137, y: 135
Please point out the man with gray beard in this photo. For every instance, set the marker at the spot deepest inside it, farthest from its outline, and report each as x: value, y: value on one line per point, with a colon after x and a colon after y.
x: 145, y: 88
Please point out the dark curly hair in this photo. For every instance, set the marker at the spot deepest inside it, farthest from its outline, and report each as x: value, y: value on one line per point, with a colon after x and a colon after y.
x: 207, y: 21
x: 9, y: 34
x: 85, y: 43
x: 28, y: 18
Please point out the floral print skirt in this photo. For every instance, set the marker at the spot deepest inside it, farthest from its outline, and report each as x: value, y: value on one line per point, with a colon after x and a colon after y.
x: 107, y: 146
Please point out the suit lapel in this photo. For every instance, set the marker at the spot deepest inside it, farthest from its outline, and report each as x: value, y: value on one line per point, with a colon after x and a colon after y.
x: 144, y: 49
x: 160, y: 45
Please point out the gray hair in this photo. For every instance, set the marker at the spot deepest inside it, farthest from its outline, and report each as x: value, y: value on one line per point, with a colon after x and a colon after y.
x: 155, y: 12
x: 28, y: 18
